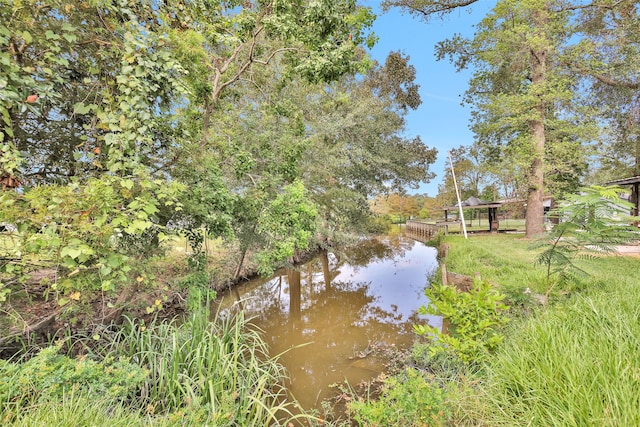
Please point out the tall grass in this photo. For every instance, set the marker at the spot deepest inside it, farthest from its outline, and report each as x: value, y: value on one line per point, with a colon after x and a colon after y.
x: 81, y: 410
x: 574, y: 363
x: 218, y: 369
x: 196, y: 371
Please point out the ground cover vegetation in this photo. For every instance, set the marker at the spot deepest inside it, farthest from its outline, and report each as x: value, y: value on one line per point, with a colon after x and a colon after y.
x: 262, y: 129
x: 565, y: 363
x: 202, y: 371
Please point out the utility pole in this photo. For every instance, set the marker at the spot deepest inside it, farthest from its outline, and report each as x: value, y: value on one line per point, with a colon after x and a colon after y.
x: 455, y: 184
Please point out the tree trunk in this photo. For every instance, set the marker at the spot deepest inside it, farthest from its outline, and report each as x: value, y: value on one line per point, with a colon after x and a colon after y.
x: 535, y: 209
x: 535, y: 194
x: 236, y: 275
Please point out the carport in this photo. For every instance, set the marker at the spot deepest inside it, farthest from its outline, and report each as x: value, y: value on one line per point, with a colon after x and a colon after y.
x: 476, y: 203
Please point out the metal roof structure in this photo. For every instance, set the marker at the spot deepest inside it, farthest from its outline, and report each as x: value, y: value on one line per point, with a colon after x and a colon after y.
x: 634, y: 181
x: 625, y: 181
x: 474, y: 203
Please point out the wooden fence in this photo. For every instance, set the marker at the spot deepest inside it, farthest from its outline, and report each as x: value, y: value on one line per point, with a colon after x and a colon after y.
x: 424, y: 229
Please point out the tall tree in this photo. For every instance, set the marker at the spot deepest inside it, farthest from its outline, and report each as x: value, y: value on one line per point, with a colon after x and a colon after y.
x: 358, y: 149
x: 240, y: 54
x: 608, y: 56
x: 319, y: 40
x: 520, y: 89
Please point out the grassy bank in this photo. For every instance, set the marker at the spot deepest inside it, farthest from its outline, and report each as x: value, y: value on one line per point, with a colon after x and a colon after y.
x: 201, y: 371
x: 573, y: 362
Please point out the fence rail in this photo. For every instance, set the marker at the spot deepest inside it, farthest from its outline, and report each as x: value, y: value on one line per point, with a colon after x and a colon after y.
x: 426, y: 229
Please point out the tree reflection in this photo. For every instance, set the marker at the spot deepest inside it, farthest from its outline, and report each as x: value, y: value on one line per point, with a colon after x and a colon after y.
x: 293, y: 279
x: 336, y: 310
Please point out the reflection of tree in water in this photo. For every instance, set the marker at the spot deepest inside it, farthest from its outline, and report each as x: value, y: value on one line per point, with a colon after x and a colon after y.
x: 339, y: 319
x: 339, y: 323
x: 368, y: 251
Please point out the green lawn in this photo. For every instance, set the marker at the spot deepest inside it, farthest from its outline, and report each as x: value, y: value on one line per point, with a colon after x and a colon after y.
x: 574, y: 362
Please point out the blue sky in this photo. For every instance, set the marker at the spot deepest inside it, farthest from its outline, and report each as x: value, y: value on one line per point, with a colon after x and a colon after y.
x: 440, y: 121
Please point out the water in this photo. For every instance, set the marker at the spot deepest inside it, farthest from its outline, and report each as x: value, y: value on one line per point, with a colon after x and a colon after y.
x: 335, y: 319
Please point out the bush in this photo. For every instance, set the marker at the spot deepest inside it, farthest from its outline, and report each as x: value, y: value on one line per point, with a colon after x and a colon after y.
x: 49, y: 376
x: 475, y: 319
x: 406, y: 399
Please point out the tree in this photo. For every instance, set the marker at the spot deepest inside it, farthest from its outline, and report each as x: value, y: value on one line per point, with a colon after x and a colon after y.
x: 318, y: 40
x: 357, y: 150
x: 241, y: 56
x: 104, y: 110
x: 608, y: 58
x: 520, y: 89
x: 591, y: 222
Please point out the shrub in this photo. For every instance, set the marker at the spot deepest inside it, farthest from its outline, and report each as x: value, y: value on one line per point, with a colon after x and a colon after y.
x: 406, y: 399
x: 475, y: 319
x: 49, y: 376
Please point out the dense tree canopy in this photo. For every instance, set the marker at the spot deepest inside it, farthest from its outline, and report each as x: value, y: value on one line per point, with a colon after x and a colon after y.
x: 264, y: 122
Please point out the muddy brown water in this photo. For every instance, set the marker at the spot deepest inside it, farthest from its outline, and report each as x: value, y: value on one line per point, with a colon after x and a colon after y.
x: 336, y: 318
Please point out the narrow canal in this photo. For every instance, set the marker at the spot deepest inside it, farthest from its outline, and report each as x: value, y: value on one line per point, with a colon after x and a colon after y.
x: 337, y: 317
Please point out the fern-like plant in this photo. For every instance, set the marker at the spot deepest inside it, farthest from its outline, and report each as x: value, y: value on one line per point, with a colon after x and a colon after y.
x: 591, y: 222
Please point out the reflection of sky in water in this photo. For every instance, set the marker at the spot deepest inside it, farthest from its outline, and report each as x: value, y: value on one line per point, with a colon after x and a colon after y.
x: 329, y: 326
x: 397, y: 284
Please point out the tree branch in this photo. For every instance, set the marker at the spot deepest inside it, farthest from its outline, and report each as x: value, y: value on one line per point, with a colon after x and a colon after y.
x: 429, y: 8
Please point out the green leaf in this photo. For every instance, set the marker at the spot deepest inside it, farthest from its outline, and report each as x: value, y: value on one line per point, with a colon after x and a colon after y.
x: 114, y: 261
x: 50, y: 35
x: 71, y: 38
x: 27, y: 37
x: 81, y: 108
x: 128, y: 184
x: 70, y: 252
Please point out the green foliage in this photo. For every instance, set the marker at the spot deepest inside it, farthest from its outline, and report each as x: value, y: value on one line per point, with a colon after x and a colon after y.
x: 475, y: 318
x: 591, y: 222
x: 80, y: 227
x: 289, y: 223
x: 443, y: 366
x: 205, y: 370
x: 570, y: 363
x: 406, y: 399
x: 87, y: 101
x: 49, y: 376
x: 574, y: 364
x: 82, y: 409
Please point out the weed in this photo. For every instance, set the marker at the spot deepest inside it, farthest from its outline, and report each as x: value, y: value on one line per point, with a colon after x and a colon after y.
x: 407, y: 399
x: 474, y: 317
x: 219, y: 366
